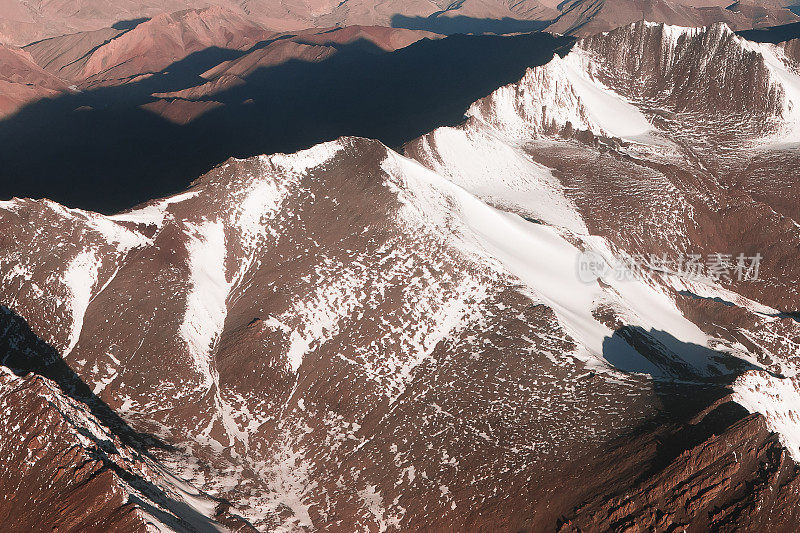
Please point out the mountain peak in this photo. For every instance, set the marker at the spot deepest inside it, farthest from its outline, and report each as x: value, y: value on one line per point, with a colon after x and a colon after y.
x: 617, y: 83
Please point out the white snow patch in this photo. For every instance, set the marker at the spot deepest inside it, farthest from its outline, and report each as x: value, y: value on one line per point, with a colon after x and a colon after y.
x: 9, y: 205
x: 124, y: 238
x: 206, y: 307
x: 304, y: 160
x: 298, y: 345
x: 778, y: 399
x: 80, y: 277
x: 262, y: 198
x: 373, y: 502
x: 286, y: 474
x: 610, y: 111
x: 560, y: 92
x: 789, y: 80
x: 500, y: 174
x: 672, y: 34
x: 541, y: 258
x: 154, y: 212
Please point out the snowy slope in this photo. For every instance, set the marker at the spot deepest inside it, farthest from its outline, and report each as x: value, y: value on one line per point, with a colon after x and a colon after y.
x: 556, y: 94
x: 502, y: 152
x: 546, y: 262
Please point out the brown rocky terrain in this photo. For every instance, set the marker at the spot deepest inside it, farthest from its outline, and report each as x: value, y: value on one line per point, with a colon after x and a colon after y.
x: 228, y: 45
x: 23, y: 23
x: 343, y: 338
x: 255, y: 317
x: 588, y: 17
x: 353, y: 338
x: 23, y: 81
x: 307, y: 46
x: 148, y: 48
x: 120, y: 44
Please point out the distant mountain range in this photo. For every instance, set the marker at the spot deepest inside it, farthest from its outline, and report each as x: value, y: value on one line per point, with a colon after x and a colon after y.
x: 24, y: 22
x: 58, y: 48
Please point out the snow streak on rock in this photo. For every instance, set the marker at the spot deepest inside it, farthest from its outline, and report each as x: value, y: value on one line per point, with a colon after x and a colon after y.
x: 496, y: 170
x: 80, y: 277
x: 540, y: 258
x: 205, y: 303
x: 562, y: 92
x: 610, y: 84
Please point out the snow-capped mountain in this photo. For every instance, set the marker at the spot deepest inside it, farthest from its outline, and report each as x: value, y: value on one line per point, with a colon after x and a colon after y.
x: 589, y: 17
x: 356, y: 338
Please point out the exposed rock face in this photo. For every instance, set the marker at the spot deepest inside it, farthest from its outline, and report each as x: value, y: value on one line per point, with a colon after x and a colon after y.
x: 589, y: 17
x: 71, y: 464
x: 226, y: 48
x: 50, y: 463
x: 792, y: 50
x: 728, y: 476
x: 150, y: 47
x: 350, y: 338
x: 23, y: 23
x: 23, y: 81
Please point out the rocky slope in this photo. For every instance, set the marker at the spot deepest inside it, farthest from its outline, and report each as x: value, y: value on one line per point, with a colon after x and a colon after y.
x: 352, y: 338
x: 200, y: 51
x: 588, y: 17
x: 106, y: 51
x: 116, y: 56
x: 23, y: 81
x: 71, y: 464
x: 23, y: 23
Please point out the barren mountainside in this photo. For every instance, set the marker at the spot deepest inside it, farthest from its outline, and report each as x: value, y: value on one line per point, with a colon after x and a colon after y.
x: 355, y: 337
x: 589, y: 17
x: 23, y: 23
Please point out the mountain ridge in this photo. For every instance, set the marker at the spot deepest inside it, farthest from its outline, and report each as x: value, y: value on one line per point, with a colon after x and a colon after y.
x: 355, y: 336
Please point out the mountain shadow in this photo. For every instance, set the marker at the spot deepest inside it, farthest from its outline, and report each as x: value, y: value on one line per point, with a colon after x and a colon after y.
x: 775, y: 34
x: 660, y: 354
x: 23, y: 352
x: 691, y: 429
x: 460, y: 24
x: 100, y: 150
x: 716, y: 299
x: 693, y: 407
x: 129, y: 24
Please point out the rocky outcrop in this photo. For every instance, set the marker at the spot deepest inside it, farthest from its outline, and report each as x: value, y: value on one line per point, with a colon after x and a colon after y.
x: 707, y: 74
x: 722, y: 472
x: 584, y: 18
x: 23, y: 81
